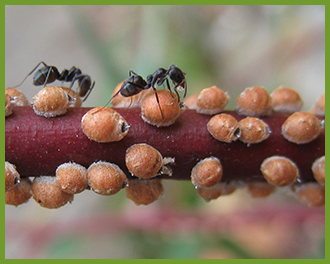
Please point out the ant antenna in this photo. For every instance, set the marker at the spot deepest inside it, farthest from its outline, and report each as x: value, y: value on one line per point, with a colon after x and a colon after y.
x: 48, y: 73
x: 157, y: 99
x: 90, y: 90
x: 31, y: 73
x: 107, y: 102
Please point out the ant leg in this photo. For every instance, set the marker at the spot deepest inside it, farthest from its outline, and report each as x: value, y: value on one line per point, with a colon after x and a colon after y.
x: 157, y: 99
x: 48, y: 73
x: 31, y: 73
x: 130, y: 103
x: 90, y: 90
x: 107, y: 102
x: 74, y: 79
x: 177, y: 93
x: 185, y: 88
x: 168, y: 87
x: 134, y: 84
x: 132, y: 72
x: 161, y: 82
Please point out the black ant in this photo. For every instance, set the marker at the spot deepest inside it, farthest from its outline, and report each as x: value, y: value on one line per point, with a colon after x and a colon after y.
x: 174, y: 73
x: 178, y: 78
x: 49, y: 74
x: 134, y: 84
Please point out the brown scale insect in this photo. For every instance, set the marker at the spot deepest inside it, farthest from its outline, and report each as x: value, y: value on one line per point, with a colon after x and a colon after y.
x: 279, y: 171
x: 20, y: 194
x: 48, y: 193
x: 104, y: 126
x: 301, y: 127
x: 51, y: 102
x: 207, y: 172
x: 318, y: 169
x: 12, y: 177
x: 144, y: 191
x: 286, y: 100
x: 106, y: 178
x: 224, y: 127
x: 143, y: 161
x: 72, y: 177
x: 254, y: 101
x: 211, y: 101
x: 253, y: 130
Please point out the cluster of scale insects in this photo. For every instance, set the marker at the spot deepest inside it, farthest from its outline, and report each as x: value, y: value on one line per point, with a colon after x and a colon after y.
x: 207, y: 173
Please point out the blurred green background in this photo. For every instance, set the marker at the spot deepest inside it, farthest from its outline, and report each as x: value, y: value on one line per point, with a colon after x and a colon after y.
x: 232, y: 47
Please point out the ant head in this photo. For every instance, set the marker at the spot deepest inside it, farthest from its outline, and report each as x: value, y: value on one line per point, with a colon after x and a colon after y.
x: 172, y: 67
x: 175, y: 69
x: 176, y: 75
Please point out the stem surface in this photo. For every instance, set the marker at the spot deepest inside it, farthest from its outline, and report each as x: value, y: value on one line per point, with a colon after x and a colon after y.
x: 37, y: 145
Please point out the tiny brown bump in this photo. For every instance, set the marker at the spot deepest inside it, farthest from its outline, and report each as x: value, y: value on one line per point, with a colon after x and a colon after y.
x: 207, y: 172
x: 72, y: 177
x: 311, y: 194
x: 286, y: 100
x: 319, y: 108
x: 214, y: 192
x: 18, y: 98
x: 301, y: 127
x: 253, y: 130
x: 224, y: 127
x: 104, y: 124
x: 75, y: 100
x: 318, y: 169
x: 144, y: 191
x: 20, y: 194
x: 211, y: 101
x: 9, y: 106
x: 260, y: 189
x: 51, y: 102
x: 106, y: 178
x: 12, y: 177
x: 163, y: 114
x: 48, y: 193
x: 191, y: 101
x: 143, y: 161
x: 254, y: 101
x: 279, y: 171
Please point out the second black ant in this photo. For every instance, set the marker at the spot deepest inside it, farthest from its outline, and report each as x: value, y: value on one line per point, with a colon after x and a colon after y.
x: 134, y: 84
x: 48, y: 74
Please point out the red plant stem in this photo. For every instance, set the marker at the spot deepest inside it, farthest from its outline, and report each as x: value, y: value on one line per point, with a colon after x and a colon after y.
x: 37, y: 145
